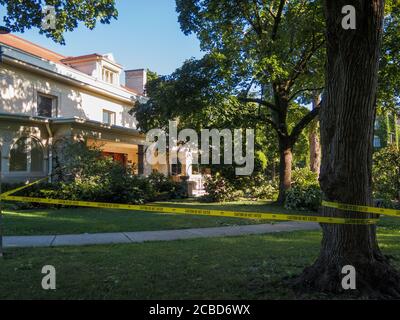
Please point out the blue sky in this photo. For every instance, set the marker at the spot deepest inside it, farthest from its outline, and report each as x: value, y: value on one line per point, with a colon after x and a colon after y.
x: 146, y: 35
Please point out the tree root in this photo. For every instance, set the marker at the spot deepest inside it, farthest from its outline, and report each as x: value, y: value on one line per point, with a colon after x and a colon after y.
x: 375, y: 279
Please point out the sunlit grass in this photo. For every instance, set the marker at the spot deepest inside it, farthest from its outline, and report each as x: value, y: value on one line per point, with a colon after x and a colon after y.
x: 94, y: 220
x: 248, y: 267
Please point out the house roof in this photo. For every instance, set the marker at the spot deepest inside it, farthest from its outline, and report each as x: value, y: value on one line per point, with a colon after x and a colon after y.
x: 132, y: 90
x: 46, y: 54
x: 27, y: 46
x: 91, y: 57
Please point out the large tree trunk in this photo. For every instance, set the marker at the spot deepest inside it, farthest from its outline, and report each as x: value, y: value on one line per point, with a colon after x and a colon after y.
x: 347, y: 124
x: 285, y: 168
x: 314, y: 140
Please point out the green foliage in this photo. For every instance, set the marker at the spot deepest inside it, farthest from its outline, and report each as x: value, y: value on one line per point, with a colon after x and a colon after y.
x: 386, y: 173
x: 220, y: 190
x: 261, y: 188
x: 222, y: 187
x: 305, y: 193
x: 190, y: 94
x: 27, y: 14
x: 88, y: 176
x: 38, y: 190
x: 165, y: 187
x: 389, y: 72
x: 260, y: 40
x: 303, y: 198
x: 304, y: 177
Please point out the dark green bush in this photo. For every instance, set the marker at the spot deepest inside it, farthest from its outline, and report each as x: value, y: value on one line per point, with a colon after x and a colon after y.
x: 304, y: 177
x: 88, y: 176
x: 386, y: 174
x: 305, y: 193
x: 259, y: 187
x: 37, y: 191
x: 165, y: 188
x: 303, y: 198
x: 220, y: 190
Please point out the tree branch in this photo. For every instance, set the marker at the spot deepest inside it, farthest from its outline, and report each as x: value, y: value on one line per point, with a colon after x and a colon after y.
x: 303, y: 123
x: 269, y: 121
x: 303, y: 90
x: 260, y: 101
x: 277, y: 18
x: 302, y: 64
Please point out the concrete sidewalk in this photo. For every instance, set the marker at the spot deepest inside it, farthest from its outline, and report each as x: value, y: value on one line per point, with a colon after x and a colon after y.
x: 143, y: 236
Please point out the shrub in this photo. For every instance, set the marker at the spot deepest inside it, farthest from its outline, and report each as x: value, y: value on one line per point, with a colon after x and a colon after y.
x: 258, y: 187
x: 304, y: 177
x: 303, y: 198
x: 38, y: 191
x: 305, y: 193
x: 88, y: 176
x: 165, y: 188
x: 386, y: 173
x: 266, y: 191
x: 220, y: 190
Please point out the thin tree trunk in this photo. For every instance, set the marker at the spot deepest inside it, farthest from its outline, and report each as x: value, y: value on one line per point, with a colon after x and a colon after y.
x: 285, y: 169
x: 314, y: 140
x: 347, y: 127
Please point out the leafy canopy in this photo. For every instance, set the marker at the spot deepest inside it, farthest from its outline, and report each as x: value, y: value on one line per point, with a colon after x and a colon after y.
x: 26, y: 14
x: 260, y: 42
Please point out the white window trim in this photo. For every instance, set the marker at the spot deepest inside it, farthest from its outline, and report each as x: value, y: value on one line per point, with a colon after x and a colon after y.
x: 113, y: 123
x: 108, y: 76
x: 55, y: 107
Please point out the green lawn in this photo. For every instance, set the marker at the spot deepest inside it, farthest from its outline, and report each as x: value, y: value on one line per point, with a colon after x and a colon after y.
x: 249, y: 267
x: 89, y: 220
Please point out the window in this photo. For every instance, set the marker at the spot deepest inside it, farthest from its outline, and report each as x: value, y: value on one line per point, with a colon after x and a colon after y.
x: 108, y: 76
x: 19, y: 156
x: 47, y: 105
x: 36, y: 156
x: 377, y: 142
x: 109, y: 117
x: 26, y: 155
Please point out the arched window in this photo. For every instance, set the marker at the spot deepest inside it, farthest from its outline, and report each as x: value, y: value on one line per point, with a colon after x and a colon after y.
x: 19, y: 156
x: 36, y: 156
x: 26, y: 155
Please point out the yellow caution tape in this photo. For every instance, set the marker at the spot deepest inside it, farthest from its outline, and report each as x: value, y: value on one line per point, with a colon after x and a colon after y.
x: 5, y: 194
x: 180, y: 210
x: 191, y: 211
x: 364, y: 209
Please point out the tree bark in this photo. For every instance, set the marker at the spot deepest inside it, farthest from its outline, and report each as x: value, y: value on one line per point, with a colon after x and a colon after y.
x: 347, y: 126
x: 285, y: 168
x: 314, y: 140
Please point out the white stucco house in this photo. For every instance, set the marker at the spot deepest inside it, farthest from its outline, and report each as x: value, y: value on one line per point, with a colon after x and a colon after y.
x: 46, y: 97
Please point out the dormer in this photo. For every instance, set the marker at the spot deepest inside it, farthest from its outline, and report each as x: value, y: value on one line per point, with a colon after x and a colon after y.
x: 101, y: 67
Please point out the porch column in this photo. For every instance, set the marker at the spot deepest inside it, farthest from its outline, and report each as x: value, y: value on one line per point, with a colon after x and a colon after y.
x: 141, y: 160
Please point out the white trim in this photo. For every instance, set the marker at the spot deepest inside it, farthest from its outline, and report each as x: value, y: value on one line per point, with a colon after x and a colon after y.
x: 66, y: 74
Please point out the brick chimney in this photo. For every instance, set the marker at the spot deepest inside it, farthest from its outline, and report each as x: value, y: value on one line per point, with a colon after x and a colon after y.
x: 136, y: 80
